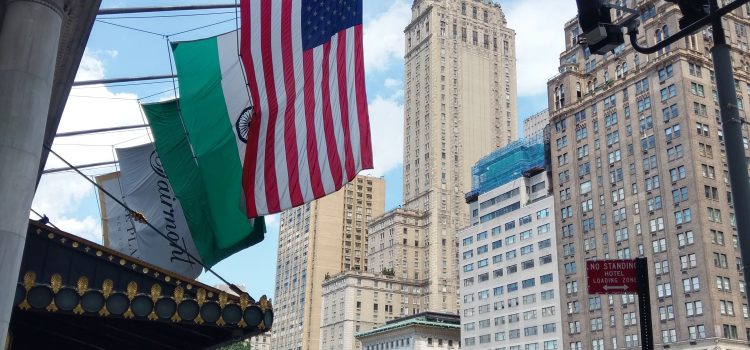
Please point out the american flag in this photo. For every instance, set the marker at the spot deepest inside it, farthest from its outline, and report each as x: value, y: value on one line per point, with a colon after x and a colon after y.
x: 310, y: 133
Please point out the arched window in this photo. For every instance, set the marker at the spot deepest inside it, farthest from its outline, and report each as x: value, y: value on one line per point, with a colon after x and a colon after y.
x: 661, y: 35
x: 618, y: 71
x: 562, y: 95
x: 578, y: 91
x: 624, y: 68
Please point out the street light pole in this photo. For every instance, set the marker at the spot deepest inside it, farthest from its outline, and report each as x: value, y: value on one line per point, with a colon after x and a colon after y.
x: 731, y: 124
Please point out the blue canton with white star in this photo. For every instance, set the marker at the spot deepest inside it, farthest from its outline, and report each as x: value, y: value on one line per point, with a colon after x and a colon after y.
x: 321, y: 19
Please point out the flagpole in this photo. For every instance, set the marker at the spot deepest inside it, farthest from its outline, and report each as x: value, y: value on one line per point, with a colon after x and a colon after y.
x: 122, y: 80
x: 125, y: 10
x: 91, y: 165
x: 97, y: 131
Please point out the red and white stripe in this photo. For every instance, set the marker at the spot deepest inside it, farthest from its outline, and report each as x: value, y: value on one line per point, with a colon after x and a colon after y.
x: 310, y: 134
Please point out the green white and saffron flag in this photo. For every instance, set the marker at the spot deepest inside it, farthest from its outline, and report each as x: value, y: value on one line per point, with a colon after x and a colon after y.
x: 206, y: 175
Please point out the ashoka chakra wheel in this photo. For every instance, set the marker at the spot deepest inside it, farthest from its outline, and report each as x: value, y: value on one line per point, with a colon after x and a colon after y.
x: 243, y: 123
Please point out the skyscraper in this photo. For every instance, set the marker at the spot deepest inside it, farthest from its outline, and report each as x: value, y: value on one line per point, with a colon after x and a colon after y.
x: 509, y: 274
x: 320, y: 239
x: 640, y: 170
x: 459, y: 105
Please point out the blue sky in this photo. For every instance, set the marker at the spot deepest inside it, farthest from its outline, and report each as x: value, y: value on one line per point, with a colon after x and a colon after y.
x: 114, y: 51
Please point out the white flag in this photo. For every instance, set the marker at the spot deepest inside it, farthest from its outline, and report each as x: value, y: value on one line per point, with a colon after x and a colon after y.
x: 146, y: 189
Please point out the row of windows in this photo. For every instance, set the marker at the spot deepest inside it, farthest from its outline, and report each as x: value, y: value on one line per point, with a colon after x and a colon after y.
x: 512, y: 287
x: 486, y: 339
x: 500, y: 321
x: 508, y: 270
x: 509, y: 255
x: 509, y: 240
x: 512, y: 303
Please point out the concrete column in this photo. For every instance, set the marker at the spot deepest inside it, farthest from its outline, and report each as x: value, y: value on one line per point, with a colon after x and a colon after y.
x: 29, y: 39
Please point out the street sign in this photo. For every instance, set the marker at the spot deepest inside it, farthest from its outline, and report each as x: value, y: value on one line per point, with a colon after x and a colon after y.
x: 612, y: 276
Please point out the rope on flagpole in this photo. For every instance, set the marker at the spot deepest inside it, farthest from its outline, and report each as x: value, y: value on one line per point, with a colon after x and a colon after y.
x: 140, y: 218
x: 238, y: 34
x: 237, y: 25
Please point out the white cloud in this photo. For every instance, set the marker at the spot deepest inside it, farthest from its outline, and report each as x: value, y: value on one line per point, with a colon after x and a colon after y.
x: 111, y: 53
x: 89, y: 227
x: 65, y: 197
x: 391, y: 83
x: 386, y: 128
x: 384, y: 36
x: 94, y: 107
x: 272, y: 223
x: 90, y: 68
x: 539, y: 40
x: 60, y: 197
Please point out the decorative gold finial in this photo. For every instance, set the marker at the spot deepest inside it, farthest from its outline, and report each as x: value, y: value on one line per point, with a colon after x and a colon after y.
x: 244, y: 301
x: 132, y: 291
x: 82, y: 286
x: 200, y: 296
x: 155, y: 294
x: 107, y: 286
x: 201, y: 299
x: 264, y: 303
x: 55, y: 282
x: 178, y: 295
x: 29, y: 279
x: 223, y: 299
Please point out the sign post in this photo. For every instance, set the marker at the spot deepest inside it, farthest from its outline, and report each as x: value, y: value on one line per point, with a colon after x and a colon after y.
x: 612, y: 276
x: 624, y: 277
x: 644, y: 304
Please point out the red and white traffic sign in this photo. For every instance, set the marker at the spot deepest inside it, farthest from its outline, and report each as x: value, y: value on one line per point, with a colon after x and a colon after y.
x: 611, y: 276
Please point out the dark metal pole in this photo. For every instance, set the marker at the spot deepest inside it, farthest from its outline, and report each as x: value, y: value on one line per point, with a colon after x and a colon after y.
x: 631, y: 24
x: 95, y: 131
x: 732, y: 126
x: 123, y: 80
x: 123, y: 10
x: 644, y: 303
x: 92, y: 165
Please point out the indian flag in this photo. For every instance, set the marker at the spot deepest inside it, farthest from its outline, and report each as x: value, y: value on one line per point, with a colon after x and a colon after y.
x: 204, y: 167
x: 291, y: 100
